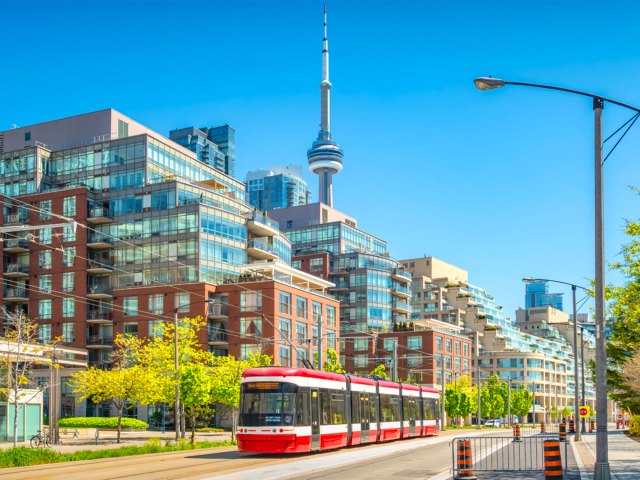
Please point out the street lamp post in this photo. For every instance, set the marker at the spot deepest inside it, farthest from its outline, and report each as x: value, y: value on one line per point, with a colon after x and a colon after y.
x: 602, y: 470
x: 583, y: 402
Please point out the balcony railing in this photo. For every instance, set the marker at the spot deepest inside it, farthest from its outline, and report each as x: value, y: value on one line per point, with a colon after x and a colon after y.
x: 267, y: 221
x: 16, y: 218
x: 98, y: 212
x: 261, y: 246
x: 16, y: 243
x: 217, y: 337
x: 99, y: 314
x: 99, y: 264
x: 16, y: 268
x: 99, y: 340
x: 100, y: 239
x: 217, y: 310
x: 99, y: 289
x: 406, y: 291
x: 19, y: 293
x: 406, y: 276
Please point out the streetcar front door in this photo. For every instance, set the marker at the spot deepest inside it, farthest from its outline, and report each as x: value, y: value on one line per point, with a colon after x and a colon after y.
x: 315, y: 419
x: 365, y: 423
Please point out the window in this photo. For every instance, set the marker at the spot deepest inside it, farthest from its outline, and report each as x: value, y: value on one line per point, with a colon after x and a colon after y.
x: 45, y: 210
x: 44, y: 259
x: 316, y: 311
x: 182, y: 301
x: 465, y: 363
x: 389, y: 343
x: 301, y: 307
x: 331, y: 316
x: 285, y: 303
x: 448, y: 345
x: 251, y: 326
x: 123, y: 129
x: 44, y: 283
x: 438, y: 344
x: 466, y: 349
x: 69, y: 206
x: 68, y: 308
x: 155, y: 328
x: 68, y: 233
x: 439, y: 361
x: 361, y: 344
x: 448, y: 362
x: 45, y: 236
x: 68, y: 256
x: 456, y: 364
x: 331, y: 339
x: 68, y: 281
x: 296, y: 264
x: 130, y: 306
x: 131, y: 328
x: 68, y: 332
x: 360, y: 361
x: 155, y: 303
x: 44, y: 309
x: 246, y: 349
x: 414, y: 360
x: 301, y: 332
x: 285, y: 328
x: 457, y: 345
x: 316, y: 264
x: 44, y: 333
x: 27, y: 136
x: 251, y: 301
x: 285, y: 355
x: 414, y: 342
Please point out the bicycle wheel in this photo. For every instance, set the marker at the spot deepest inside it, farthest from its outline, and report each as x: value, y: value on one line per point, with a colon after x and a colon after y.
x: 35, y: 441
x: 47, y: 441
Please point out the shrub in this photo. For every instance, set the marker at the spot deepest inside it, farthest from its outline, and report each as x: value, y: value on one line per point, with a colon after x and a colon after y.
x: 209, y: 430
x: 23, y: 456
x: 102, y: 422
x: 634, y: 426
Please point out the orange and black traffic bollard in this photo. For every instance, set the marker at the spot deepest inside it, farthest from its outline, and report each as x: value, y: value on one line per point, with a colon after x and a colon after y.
x: 516, y: 432
x: 572, y: 426
x: 592, y: 426
x: 563, y: 432
x: 465, y: 461
x: 552, y: 459
x: 543, y: 428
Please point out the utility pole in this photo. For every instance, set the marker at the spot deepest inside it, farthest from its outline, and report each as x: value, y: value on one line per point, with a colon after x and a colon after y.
x: 320, y: 342
x: 176, y: 409
x: 442, y: 402
x: 509, y: 404
x: 584, y: 399
x: 395, y: 359
x: 479, y: 405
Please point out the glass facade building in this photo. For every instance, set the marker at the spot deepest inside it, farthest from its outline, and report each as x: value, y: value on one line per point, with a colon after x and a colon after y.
x: 537, y: 295
x: 215, y: 146
x: 277, y: 187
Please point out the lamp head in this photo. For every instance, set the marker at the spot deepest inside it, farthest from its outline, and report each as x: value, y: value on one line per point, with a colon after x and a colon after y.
x: 530, y: 279
x: 488, y: 83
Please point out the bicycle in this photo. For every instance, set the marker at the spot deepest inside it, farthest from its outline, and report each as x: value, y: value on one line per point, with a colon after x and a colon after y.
x: 40, y: 439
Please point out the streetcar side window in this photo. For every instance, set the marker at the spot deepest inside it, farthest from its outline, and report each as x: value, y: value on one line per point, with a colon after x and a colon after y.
x: 267, y: 404
x: 390, y: 408
x: 373, y: 407
x: 430, y: 408
x: 333, y: 407
x: 302, y: 407
x: 356, y: 404
x: 406, y: 408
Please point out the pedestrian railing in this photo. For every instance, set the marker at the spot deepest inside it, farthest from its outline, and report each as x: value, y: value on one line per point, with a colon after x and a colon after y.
x: 508, y: 453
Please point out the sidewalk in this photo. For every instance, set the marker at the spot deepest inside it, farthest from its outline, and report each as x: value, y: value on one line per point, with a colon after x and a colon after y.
x: 107, y: 440
x: 624, y: 455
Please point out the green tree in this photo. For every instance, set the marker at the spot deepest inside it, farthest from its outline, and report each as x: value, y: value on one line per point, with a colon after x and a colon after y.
x: 554, y: 413
x: 624, y: 309
x: 332, y: 364
x: 463, y: 397
x: 127, y: 383
x: 380, y: 371
x: 592, y: 412
x: 521, y: 402
x: 493, y: 398
x: 452, y: 402
x: 566, y: 412
x: 196, y: 392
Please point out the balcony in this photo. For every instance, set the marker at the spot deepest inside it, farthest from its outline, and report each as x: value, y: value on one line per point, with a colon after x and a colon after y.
x: 262, y: 226
x: 101, y: 364
x: 401, y: 307
x: 98, y: 317
x: 99, y: 341
x: 261, y: 250
x: 401, y: 292
x: 16, y: 295
x: 16, y: 245
x: 99, y: 292
x: 401, y: 275
x: 95, y: 267
x: 99, y: 242
x: 217, y: 311
x: 99, y: 216
x: 217, y: 337
x: 16, y: 219
x: 16, y: 270
x: 340, y: 287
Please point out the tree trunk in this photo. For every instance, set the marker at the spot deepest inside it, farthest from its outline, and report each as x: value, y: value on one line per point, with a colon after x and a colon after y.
x: 120, y: 412
x: 183, y: 421
x: 193, y: 428
x: 15, y: 415
x: 233, y: 423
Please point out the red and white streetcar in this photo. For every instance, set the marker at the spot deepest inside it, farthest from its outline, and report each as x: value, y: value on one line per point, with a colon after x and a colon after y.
x: 294, y: 410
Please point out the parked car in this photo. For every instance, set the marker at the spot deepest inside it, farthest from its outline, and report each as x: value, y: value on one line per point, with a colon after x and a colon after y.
x: 492, y: 423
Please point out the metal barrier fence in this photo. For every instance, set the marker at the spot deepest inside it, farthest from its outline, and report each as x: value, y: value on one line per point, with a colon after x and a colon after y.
x: 505, y: 454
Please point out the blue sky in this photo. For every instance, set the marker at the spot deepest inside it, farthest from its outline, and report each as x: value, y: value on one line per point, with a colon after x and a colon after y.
x: 499, y: 183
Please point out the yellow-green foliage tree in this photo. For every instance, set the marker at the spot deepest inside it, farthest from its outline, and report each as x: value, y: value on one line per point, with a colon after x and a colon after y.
x: 127, y: 383
x: 380, y: 371
x: 332, y: 364
x: 227, y: 374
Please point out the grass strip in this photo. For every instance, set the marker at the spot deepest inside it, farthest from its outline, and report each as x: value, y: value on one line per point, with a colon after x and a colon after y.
x: 24, y: 456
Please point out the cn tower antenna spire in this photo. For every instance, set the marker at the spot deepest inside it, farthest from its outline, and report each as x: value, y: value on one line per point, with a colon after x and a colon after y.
x: 325, y: 156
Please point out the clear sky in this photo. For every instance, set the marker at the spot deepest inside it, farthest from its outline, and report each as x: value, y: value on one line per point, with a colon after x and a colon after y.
x: 499, y: 183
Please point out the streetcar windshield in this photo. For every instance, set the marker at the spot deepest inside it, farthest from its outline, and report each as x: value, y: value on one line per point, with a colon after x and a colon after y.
x: 267, y: 404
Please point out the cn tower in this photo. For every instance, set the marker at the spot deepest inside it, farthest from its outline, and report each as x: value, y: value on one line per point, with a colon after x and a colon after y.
x: 325, y: 156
